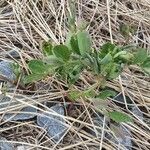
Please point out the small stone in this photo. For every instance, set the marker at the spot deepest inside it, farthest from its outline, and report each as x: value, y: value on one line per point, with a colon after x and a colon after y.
x: 6, y: 102
x: 5, y: 145
x: 24, y: 114
x: 6, y: 70
x: 137, y: 112
x: 125, y: 140
x: 22, y: 147
x: 98, y: 122
x: 54, y: 125
x: 119, y: 100
x: 123, y: 136
x: 13, y: 53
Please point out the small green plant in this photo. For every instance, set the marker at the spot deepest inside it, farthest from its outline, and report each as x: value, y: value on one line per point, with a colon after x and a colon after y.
x: 68, y: 61
x: 126, y: 30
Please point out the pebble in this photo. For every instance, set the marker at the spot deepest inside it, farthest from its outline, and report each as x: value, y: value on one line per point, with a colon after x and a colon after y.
x: 6, y: 70
x: 24, y: 114
x: 5, y: 145
x: 54, y: 125
x: 137, y: 112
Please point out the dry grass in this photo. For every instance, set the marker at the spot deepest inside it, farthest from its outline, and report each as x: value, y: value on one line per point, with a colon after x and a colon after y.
x: 25, y: 23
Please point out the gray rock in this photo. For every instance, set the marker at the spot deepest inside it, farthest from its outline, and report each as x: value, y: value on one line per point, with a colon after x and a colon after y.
x: 6, y: 101
x: 123, y: 137
x: 13, y: 53
x: 24, y: 114
x: 54, y: 125
x: 125, y: 140
x: 6, y: 70
x: 137, y: 112
x: 98, y: 122
x: 22, y: 147
x: 5, y: 145
x: 119, y: 99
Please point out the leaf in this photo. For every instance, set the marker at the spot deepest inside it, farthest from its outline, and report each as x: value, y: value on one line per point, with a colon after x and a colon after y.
x: 37, y: 66
x: 140, y: 56
x: 89, y: 93
x: 16, y: 69
x: 68, y: 39
x: 72, y: 71
x: 84, y: 42
x: 74, y: 94
x: 105, y: 69
x: 53, y: 61
x: 124, y: 57
x: 119, y: 117
x: 62, y: 52
x: 108, y: 48
x: 106, y: 93
x: 47, y: 48
x: 71, y: 16
x: 111, y: 70
x: 115, y: 71
x: 33, y: 78
x: 74, y: 45
x: 126, y: 30
x: 146, y: 66
x: 107, y: 59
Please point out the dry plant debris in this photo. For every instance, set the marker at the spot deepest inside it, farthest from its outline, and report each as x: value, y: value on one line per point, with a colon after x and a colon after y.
x: 25, y: 23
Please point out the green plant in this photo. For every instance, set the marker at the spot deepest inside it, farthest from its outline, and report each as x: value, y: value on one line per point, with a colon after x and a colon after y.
x: 69, y: 60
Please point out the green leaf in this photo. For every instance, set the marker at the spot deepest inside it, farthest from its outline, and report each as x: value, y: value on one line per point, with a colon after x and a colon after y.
x: 72, y: 71
x: 146, y: 65
x: 107, y: 59
x: 106, y: 93
x: 105, y: 69
x: 47, y: 48
x: 108, y: 48
x: 115, y: 71
x: 124, y: 57
x: 53, y: 61
x: 33, y: 78
x: 16, y: 69
x: 74, y: 94
x: 62, y: 52
x: 140, y: 56
x: 84, y: 42
x: 89, y: 93
x: 119, y: 117
x: 74, y: 45
x: 37, y: 66
x: 68, y: 39
x: 71, y: 16
x: 125, y: 30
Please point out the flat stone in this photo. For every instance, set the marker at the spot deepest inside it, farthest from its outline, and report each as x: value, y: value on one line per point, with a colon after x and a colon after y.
x: 98, y: 122
x: 6, y: 101
x: 137, y: 112
x: 5, y: 145
x: 123, y: 136
x: 22, y: 147
x: 54, y: 125
x: 6, y: 70
x: 13, y: 53
x: 119, y: 99
x: 125, y: 140
x: 24, y: 114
